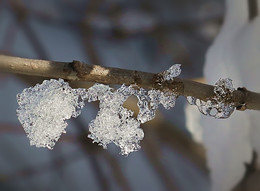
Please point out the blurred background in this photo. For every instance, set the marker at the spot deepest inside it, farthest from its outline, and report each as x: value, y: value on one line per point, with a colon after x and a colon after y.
x: 146, y: 35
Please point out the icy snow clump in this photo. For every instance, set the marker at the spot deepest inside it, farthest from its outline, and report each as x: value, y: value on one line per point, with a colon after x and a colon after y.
x: 217, y: 107
x: 44, y: 108
x: 114, y: 123
x: 149, y: 101
x: 172, y: 72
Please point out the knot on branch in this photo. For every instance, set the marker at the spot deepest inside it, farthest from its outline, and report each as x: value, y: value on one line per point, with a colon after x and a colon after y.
x: 80, y: 68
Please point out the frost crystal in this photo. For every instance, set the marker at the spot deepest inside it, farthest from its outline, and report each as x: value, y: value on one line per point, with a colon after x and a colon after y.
x: 191, y: 100
x: 223, y: 88
x: 148, y: 103
x: 97, y: 91
x: 217, y: 107
x: 172, y: 72
x: 114, y: 123
x: 167, y: 99
x: 44, y: 108
x: 146, y: 111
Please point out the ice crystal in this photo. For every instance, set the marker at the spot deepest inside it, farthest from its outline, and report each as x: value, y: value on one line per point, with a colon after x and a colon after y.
x: 167, y: 99
x: 172, y: 72
x: 149, y: 101
x: 97, y: 92
x: 114, y: 123
x: 44, y: 108
x: 146, y: 112
x: 223, y: 88
x: 218, y: 107
x: 191, y: 100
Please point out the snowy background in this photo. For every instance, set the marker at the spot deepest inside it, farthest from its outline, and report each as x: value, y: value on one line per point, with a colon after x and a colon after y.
x: 138, y: 34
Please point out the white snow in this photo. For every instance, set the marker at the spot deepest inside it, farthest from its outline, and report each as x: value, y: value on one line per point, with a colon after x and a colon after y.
x: 44, y: 108
x: 148, y: 102
x: 230, y: 142
x: 172, y: 72
x: 167, y: 99
x: 114, y: 123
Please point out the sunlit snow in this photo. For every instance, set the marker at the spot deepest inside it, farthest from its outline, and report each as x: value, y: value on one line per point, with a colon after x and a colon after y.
x: 44, y: 108
x: 172, y: 72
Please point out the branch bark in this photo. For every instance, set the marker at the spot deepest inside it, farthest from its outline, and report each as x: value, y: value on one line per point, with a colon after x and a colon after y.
x: 79, y: 71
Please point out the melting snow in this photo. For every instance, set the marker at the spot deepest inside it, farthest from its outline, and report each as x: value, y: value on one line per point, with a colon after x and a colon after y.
x: 44, y: 108
x: 216, y: 107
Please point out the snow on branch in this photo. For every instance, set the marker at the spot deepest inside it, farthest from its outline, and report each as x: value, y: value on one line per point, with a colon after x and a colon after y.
x: 78, y: 71
x: 44, y: 108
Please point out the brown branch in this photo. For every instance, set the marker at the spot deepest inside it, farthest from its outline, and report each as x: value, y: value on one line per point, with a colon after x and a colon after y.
x: 78, y: 71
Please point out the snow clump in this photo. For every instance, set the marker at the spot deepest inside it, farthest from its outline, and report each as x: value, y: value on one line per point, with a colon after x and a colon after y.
x: 44, y: 108
x: 218, y: 107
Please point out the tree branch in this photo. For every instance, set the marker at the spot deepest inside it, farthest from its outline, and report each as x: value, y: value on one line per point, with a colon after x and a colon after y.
x: 78, y: 71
